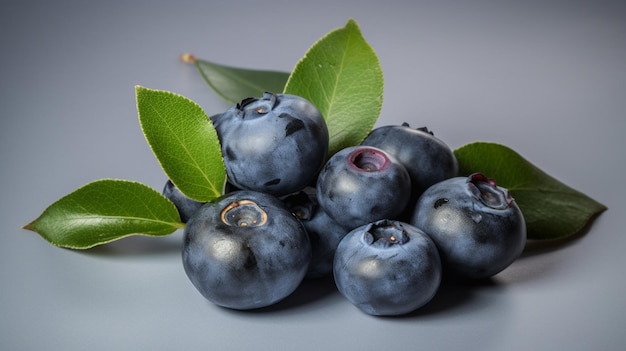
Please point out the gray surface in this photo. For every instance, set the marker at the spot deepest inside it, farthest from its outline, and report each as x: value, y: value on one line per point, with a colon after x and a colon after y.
x: 547, y: 78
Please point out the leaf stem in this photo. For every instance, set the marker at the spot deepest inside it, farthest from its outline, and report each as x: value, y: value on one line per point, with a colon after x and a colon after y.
x: 187, y: 57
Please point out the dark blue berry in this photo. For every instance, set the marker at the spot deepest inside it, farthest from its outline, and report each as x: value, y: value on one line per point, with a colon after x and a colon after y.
x: 362, y: 184
x: 387, y: 268
x: 274, y: 144
x: 324, y: 232
x: 186, y: 206
x: 477, y: 226
x: 427, y: 158
x: 245, y: 250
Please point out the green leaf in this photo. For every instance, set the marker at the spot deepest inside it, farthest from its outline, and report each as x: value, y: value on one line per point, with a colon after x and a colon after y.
x: 235, y: 84
x: 551, y: 209
x: 342, y: 76
x: 104, y: 211
x: 184, y: 142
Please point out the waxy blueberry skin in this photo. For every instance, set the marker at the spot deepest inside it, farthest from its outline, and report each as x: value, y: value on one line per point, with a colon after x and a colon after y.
x: 186, y: 206
x: 387, y: 268
x: 427, y: 158
x: 246, y: 250
x: 274, y: 144
x: 324, y: 232
x: 477, y: 226
x: 362, y: 184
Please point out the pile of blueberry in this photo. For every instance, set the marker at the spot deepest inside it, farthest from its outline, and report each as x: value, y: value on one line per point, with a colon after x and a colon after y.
x: 387, y: 218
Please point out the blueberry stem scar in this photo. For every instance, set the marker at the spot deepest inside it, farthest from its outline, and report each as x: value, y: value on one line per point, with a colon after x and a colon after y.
x: 243, y: 213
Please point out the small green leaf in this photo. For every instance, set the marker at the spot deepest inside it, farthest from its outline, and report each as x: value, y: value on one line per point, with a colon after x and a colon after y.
x: 184, y: 142
x: 342, y: 76
x: 235, y: 84
x: 551, y: 209
x: 104, y: 211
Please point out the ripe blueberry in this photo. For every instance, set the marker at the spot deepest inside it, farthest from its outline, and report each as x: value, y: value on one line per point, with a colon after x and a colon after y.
x: 186, y: 206
x: 477, y: 226
x: 362, y: 184
x: 245, y: 250
x: 427, y: 158
x: 387, y: 268
x: 324, y: 232
x: 274, y: 144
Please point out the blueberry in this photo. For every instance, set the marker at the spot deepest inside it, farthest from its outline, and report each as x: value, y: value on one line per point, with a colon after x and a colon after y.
x: 324, y: 232
x: 387, y: 268
x: 362, y: 184
x: 477, y: 226
x: 214, y: 117
x: 274, y: 144
x: 245, y: 250
x: 186, y: 206
x: 427, y: 158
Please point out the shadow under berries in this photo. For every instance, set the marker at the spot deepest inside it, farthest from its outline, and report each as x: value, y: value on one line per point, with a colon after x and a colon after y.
x: 309, y: 291
x: 453, y: 294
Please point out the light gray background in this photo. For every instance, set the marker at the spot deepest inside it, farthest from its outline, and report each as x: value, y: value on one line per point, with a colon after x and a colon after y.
x: 547, y: 78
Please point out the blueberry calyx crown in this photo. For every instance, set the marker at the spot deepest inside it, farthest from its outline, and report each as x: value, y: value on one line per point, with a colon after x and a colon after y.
x: 385, y: 233
x: 301, y: 206
x: 488, y: 192
x: 421, y: 129
x: 254, y: 107
x: 243, y: 213
x: 368, y: 159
